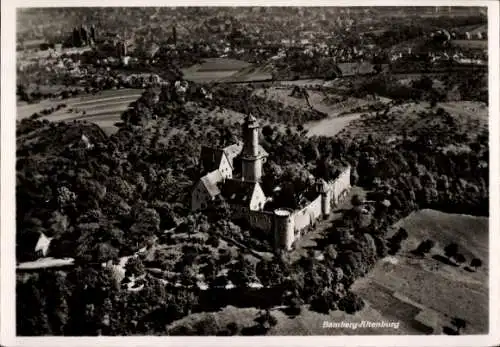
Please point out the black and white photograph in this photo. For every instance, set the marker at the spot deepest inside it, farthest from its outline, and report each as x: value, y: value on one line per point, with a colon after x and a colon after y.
x: 241, y: 171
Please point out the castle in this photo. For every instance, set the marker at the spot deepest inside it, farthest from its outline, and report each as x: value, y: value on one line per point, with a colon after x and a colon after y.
x: 245, y: 195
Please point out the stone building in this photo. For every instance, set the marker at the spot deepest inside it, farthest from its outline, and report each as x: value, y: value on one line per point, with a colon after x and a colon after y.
x: 218, y: 165
x: 242, y: 191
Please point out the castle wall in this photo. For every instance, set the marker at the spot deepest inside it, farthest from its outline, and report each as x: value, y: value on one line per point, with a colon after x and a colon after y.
x: 341, y: 184
x: 258, y: 199
x: 284, y: 234
x: 308, y: 214
x: 290, y: 227
x: 260, y: 220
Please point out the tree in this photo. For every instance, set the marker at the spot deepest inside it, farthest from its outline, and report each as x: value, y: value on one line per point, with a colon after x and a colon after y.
x: 433, y: 102
x: 475, y: 263
x: 233, y: 328
x: 424, y: 247
x: 295, y: 305
x: 356, y: 200
x: 270, y: 273
x: 320, y: 303
x: 331, y: 253
x: 459, y: 258
x: 266, y: 320
x: 210, y: 271
x: 242, y: 273
x: 104, y: 252
x: 213, y: 241
x: 268, y: 131
x: 459, y: 324
x: 351, y: 303
x: 135, y: 266
x: 451, y: 250
x: 401, y: 234
x: 394, y: 243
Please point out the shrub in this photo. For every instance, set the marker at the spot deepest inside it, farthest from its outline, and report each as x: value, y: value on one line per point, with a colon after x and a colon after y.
x: 135, y: 266
x: 233, y: 328
x: 451, y: 250
x: 295, y: 306
x: 475, y: 263
x: 394, y: 243
x: 213, y: 241
x: 319, y: 304
x: 459, y: 258
x: 351, y: 303
x: 459, y: 324
x: 266, y: 320
x: 424, y: 247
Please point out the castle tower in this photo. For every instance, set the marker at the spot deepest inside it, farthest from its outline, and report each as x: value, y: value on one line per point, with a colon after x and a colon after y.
x: 283, y: 226
x: 324, y: 191
x: 251, y: 155
x: 174, y: 35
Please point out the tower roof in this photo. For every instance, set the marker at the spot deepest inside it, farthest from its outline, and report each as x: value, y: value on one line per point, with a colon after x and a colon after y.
x: 250, y: 119
x: 210, y: 182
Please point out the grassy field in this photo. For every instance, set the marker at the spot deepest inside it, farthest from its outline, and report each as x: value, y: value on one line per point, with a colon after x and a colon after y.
x: 468, y: 115
x: 217, y: 69
x: 398, y: 289
x: 331, y: 126
x: 223, y: 64
x: 338, y: 108
x: 404, y: 285
x: 103, y: 109
x: 251, y: 73
x: 306, y: 324
x: 476, y: 44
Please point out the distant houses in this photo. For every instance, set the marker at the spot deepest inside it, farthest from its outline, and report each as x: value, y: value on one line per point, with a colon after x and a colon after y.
x: 42, y: 246
x: 36, y: 245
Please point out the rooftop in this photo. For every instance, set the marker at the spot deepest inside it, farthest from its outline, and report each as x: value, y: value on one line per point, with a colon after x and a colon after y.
x: 210, y: 182
x: 239, y: 192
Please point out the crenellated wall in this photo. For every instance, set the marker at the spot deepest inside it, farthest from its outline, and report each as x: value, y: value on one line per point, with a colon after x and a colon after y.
x: 261, y: 220
x: 340, y: 185
x: 307, y: 215
x: 288, y: 228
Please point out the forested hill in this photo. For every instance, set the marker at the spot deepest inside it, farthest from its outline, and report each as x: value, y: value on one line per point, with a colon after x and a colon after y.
x: 101, y: 198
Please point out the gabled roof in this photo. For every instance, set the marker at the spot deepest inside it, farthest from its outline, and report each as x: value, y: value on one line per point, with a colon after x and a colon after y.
x: 42, y: 243
x: 262, y: 151
x: 238, y: 192
x: 232, y: 152
x: 210, y: 158
x: 210, y: 182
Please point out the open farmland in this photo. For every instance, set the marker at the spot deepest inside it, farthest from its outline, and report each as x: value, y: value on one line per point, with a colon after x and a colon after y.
x: 339, y: 108
x: 103, y: 109
x: 214, y: 69
x: 331, y: 126
x: 416, y: 117
x: 473, y: 29
x: 475, y: 44
x: 307, y: 323
x: 405, y: 286
x: 422, y: 294
x: 251, y: 73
